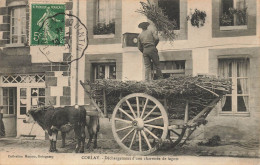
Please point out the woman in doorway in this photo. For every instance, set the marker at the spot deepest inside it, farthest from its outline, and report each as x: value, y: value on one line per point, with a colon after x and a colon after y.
x: 2, y: 126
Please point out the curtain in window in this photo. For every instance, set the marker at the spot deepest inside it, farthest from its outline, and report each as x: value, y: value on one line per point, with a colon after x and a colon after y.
x: 106, y: 11
x: 224, y: 71
x: 242, y: 67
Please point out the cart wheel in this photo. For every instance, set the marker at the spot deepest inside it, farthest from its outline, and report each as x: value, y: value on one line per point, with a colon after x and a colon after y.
x: 175, y: 136
x: 139, y: 124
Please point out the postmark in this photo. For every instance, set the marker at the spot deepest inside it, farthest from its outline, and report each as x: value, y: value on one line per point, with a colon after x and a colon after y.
x: 47, y: 25
x: 75, y: 30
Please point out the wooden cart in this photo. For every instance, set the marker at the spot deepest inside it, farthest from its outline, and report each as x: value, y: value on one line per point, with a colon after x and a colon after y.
x: 140, y: 123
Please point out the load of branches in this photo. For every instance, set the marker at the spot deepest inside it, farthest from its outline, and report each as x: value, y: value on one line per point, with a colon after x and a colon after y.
x: 160, y: 20
x: 199, y: 91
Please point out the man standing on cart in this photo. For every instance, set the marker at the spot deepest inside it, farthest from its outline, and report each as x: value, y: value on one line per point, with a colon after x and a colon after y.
x: 147, y: 41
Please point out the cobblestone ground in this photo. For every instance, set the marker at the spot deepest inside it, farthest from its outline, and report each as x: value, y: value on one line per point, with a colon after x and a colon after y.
x: 10, y: 145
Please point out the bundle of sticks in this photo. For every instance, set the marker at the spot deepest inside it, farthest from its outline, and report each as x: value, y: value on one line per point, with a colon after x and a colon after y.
x: 199, y: 91
x: 159, y: 19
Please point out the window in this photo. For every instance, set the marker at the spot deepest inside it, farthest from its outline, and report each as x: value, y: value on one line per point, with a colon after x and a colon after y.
x: 105, y: 17
x: 171, y: 8
x: 237, y: 70
x: 9, y: 96
x: 23, y: 101
x: 105, y: 71
x: 172, y: 68
x: 18, y: 26
x: 24, y: 78
x: 233, y: 13
x: 37, y: 97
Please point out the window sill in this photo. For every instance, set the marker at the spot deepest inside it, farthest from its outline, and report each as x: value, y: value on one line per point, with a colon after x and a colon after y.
x: 15, y: 45
x: 104, y: 36
x: 239, y: 114
x: 228, y: 28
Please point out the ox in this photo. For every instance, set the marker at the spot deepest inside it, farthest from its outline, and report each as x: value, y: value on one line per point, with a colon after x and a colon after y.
x: 62, y: 118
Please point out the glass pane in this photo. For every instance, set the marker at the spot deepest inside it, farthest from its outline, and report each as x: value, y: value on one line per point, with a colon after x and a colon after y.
x: 23, y: 39
x: 14, y: 39
x: 171, y: 8
x: 23, y: 11
x: 5, y: 91
x: 100, y: 72
x: 11, y: 109
x: 41, y: 91
x: 180, y: 64
x: 14, y: 20
x: 23, y: 92
x: 112, y: 72
x: 11, y: 101
x: 41, y: 101
x: 11, y: 92
x: 34, y: 101
x: 227, y: 104
x: 15, y: 29
x: 22, y: 110
x: 242, y: 86
x: 5, y: 100
x: 242, y: 103
x: 169, y: 65
x: 34, y: 92
x: 230, y: 69
x: 23, y: 25
x: 5, y: 110
x: 16, y: 12
x: 23, y: 102
x: 162, y: 64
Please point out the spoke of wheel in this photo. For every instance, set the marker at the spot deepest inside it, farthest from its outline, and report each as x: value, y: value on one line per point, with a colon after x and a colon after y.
x: 127, y: 135
x: 140, y: 141
x: 132, y: 141
x: 147, y: 121
x: 120, y: 109
x: 125, y: 121
x: 146, y: 102
x: 130, y: 108
x: 153, y: 135
x: 121, y: 129
x: 150, y: 112
x: 147, y: 141
x: 138, y: 108
x: 176, y: 133
x: 153, y: 126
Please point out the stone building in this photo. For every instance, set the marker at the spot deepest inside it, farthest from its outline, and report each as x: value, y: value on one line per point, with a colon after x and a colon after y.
x: 226, y: 46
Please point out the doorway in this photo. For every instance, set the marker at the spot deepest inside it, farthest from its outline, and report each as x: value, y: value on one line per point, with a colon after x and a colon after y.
x: 9, y: 102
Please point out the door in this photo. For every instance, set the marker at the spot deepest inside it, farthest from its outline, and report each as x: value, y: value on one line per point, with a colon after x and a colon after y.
x: 27, y: 98
x: 9, y: 101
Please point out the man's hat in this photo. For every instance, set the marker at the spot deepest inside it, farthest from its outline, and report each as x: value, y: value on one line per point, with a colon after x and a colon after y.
x: 144, y: 25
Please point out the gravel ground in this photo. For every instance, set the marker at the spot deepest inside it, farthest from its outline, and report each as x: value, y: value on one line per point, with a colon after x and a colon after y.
x: 10, y: 145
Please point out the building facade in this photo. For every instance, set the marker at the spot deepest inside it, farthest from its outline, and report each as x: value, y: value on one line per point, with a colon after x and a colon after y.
x: 226, y: 46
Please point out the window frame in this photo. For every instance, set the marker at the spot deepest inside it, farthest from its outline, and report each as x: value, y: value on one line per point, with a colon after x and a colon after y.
x: 107, y: 11
x: 179, y: 19
x: 8, y: 100
x: 182, y: 32
x: 107, y: 69
x: 233, y: 27
x: 230, y: 31
x: 19, y: 26
x: 234, y: 93
x: 172, y: 72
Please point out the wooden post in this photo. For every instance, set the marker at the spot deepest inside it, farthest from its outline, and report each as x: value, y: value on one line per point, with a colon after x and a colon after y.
x: 105, y: 102
x: 186, y: 115
x: 120, y: 97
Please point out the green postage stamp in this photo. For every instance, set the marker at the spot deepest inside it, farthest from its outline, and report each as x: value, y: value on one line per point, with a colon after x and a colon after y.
x: 47, y: 24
